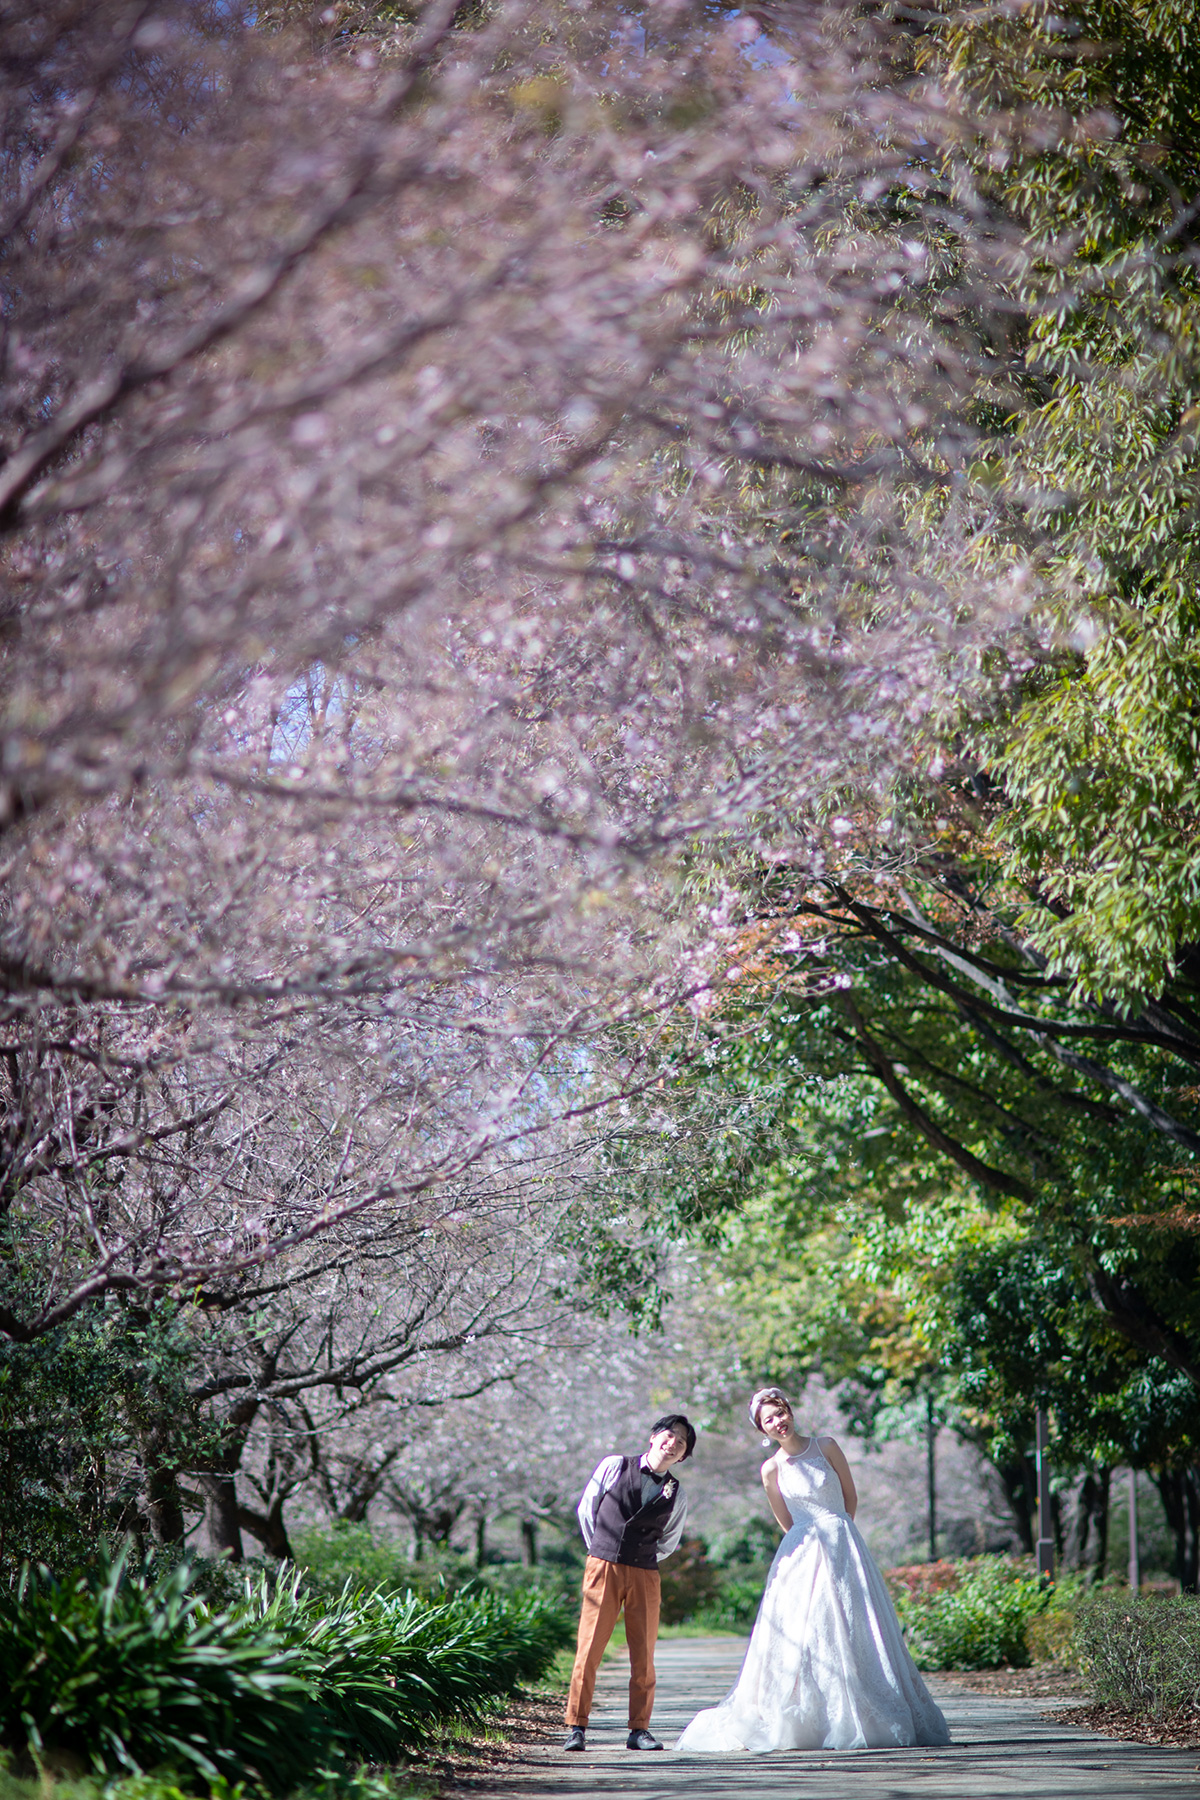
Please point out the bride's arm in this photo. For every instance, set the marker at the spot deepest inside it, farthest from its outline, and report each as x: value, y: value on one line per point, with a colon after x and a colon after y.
x: 841, y: 1468
x: 770, y: 1480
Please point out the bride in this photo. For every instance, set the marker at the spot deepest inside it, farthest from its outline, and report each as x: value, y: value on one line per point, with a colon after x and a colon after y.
x: 827, y: 1667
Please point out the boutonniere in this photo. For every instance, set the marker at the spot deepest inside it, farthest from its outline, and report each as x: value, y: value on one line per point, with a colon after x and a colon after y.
x: 669, y: 1487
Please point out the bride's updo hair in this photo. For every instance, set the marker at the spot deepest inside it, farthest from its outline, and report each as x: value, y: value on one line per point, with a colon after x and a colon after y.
x: 759, y: 1400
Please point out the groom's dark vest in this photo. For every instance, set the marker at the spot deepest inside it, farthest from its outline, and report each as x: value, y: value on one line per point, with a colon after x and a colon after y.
x: 626, y: 1531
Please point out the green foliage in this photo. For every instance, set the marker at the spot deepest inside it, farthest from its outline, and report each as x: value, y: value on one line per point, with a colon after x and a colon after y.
x: 734, y: 1606
x: 1100, y: 454
x: 752, y: 1544
x: 983, y: 1623
x: 357, y: 1554
x: 1141, y: 1651
x: 737, y: 1564
x: 92, y: 1417
x: 970, y: 1216
x: 344, y: 1552
x: 690, y: 1582
x: 1103, y: 771
x: 1050, y: 1636
x: 131, y: 1672
x: 385, y: 1669
x: 54, y: 1783
x: 1016, y: 1321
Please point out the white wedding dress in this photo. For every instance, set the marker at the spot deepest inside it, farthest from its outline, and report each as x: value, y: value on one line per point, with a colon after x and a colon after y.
x: 827, y: 1667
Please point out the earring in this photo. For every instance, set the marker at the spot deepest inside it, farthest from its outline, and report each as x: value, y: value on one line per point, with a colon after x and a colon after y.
x: 766, y: 1443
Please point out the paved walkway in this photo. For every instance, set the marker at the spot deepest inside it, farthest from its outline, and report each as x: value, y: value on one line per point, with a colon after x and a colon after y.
x: 1002, y: 1750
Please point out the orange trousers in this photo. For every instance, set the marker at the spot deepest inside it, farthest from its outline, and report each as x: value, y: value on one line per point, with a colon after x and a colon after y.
x: 607, y: 1589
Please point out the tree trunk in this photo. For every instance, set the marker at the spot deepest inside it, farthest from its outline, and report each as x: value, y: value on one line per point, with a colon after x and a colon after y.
x: 155, y: 1421
x: 269, y: 1529
x: 1019, y: 1480
x: 1088, y: 1524
x: 1075, y: 1547
x: 164, y: 1506
x: 1180, y: 1493
x: 1098, y: 1566
x: 529, y: 1538
x: 480, y: 1539
x: 1189, y: 1566
x: 363, y: 1489
x: 224, y: 1525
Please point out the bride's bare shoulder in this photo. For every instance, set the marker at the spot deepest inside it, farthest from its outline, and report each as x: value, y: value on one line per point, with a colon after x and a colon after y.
x: 770, y: 1470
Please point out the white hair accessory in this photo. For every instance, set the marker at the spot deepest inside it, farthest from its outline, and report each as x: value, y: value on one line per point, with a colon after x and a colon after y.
x: 759, y: 1400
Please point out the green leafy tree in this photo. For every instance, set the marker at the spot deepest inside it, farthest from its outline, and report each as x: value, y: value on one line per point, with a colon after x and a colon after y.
x: 990, y: 1177
x: 1098, y: 462
x: 97, y: 1420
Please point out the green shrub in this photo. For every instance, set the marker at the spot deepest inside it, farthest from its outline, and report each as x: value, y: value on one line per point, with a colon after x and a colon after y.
x: 335, y: 1555
x: 71, y: 1449
x: 740, y: 1560
x: 1050, y: 1635
x: 690, y: 1583
x: 752, y: 1544
x: 735, y: 1605
x: 1141, y: 1651
x: 918, y: 1581
x: 130, y: 1671
x: 386, y: 1669
x: 342, y: 1553
x: 980, y: 1624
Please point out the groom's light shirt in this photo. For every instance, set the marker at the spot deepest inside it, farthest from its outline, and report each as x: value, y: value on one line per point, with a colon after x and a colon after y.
x: 602, y: 1479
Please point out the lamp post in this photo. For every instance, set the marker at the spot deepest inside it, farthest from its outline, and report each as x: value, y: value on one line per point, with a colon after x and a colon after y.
x: 931, y: 1471
x: 1045, y: 1539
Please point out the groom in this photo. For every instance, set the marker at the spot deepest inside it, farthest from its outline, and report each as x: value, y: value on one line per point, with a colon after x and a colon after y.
x: 632, y: 1515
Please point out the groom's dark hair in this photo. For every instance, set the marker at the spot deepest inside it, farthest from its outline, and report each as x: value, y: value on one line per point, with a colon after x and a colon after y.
x: 676, y: 1422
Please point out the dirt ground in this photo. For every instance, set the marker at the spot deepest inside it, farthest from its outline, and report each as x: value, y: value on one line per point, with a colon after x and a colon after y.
x: 1045, y: 1681
x: 462, y: 1764
x: 1049, y: 1682
x: 1181, y: 1732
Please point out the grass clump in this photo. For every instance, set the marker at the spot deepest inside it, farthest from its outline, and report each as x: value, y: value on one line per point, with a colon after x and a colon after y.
x: 1142, y: 1651
x: 129, y: 1672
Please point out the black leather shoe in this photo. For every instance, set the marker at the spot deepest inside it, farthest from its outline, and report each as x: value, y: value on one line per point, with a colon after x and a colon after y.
x: 575, y: 1739
x: 642, y: 1740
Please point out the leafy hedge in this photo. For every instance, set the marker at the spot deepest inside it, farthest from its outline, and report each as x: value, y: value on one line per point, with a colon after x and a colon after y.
x: 1142, y: 1651
x: 133, y: 1672
x: 981, y: 1622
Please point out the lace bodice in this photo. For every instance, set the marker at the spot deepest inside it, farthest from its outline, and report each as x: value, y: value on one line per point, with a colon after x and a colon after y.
x: 808, y: 1483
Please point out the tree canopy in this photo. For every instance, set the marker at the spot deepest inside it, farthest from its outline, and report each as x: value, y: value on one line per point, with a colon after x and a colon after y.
x: 598, y: 643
